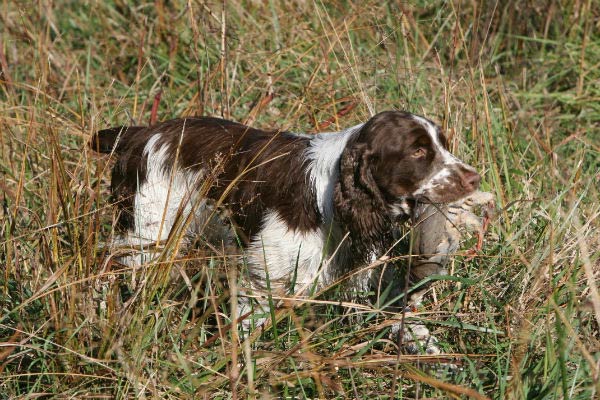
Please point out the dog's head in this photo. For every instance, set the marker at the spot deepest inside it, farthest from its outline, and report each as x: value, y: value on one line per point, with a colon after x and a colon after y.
x: 408, y: 158
x: 398, y: 158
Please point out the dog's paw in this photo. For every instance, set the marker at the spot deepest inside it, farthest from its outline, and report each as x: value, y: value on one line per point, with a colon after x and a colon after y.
x: 416, y: 339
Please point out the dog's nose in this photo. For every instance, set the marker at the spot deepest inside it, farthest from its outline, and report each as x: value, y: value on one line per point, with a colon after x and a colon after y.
x: 471, y: 180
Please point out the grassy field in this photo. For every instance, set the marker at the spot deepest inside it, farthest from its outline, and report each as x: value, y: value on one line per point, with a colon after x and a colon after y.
x: 515, y: 84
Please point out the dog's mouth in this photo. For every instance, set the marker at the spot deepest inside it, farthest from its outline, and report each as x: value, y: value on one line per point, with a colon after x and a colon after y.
x: 449, y: 196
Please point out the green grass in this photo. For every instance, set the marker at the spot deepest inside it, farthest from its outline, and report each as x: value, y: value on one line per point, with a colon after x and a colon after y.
x: 516, y: 86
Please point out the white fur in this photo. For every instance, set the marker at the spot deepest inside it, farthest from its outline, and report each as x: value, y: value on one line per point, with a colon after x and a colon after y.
x: 284, y: 257
x: 400, y: 208
x: 163, y: 197
x: 283, y: 253
x: 324, y: 154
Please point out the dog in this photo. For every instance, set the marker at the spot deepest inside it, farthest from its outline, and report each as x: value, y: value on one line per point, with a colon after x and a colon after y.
x: 307, y: 209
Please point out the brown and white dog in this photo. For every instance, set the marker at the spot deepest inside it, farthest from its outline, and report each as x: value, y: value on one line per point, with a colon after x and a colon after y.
x: 308, y: 209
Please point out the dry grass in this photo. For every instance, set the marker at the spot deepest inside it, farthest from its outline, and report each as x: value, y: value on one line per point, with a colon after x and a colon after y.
x: 515, y: 86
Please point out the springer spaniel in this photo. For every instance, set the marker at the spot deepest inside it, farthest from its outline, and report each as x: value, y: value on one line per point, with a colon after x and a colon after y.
x: 308, y: 209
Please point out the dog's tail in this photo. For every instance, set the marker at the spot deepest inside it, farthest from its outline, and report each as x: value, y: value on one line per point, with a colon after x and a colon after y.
x: 110, y: 140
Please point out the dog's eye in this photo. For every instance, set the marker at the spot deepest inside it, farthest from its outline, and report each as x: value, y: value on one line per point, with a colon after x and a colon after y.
x: 419, y: 153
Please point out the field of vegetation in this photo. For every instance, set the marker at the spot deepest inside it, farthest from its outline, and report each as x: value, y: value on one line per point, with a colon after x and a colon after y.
x: 516, y: 86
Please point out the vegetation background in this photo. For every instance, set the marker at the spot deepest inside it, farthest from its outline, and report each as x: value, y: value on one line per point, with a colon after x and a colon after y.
x: 515, y: 84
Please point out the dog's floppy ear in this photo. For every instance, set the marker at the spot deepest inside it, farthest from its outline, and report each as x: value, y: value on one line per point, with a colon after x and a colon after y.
x: 105, y: 140
x: 358, y: 201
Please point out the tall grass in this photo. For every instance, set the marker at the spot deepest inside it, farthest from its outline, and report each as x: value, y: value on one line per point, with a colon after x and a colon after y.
x: 515, y: 85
